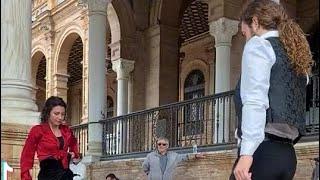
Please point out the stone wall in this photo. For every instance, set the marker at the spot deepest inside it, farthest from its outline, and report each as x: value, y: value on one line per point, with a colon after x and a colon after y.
x: 216, y: 165
x: 12, y: 140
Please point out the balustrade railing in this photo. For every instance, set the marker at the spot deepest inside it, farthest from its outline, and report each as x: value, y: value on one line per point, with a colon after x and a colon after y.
x: 181, y: 122
x: 208, y: 121
x: 81, y: 133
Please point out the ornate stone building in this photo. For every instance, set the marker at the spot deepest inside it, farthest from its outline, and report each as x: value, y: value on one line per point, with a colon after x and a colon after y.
x: 132, y: 70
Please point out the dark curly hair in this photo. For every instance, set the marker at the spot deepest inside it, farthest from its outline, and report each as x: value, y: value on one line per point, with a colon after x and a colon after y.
x: 51, y: 102
x: 113, y: 176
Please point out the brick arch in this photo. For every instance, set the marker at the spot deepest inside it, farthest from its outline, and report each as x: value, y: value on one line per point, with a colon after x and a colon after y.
x: 39, y: 93
x: 64, y: 46
x: 126, y: 17
x: 37, y: 54
x: 114, y: 24
x: 190, y: 66
x: 124, y: 42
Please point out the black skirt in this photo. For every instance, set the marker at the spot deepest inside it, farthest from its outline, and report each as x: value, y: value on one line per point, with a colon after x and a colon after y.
x: 52, y: 169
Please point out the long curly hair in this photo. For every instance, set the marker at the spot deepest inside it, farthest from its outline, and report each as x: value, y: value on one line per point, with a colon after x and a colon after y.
x: 51, y: 102
x: 272, y: 16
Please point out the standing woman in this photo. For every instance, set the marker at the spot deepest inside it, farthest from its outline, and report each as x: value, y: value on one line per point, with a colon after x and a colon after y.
x: 51, y: 140
x: 270, y: 97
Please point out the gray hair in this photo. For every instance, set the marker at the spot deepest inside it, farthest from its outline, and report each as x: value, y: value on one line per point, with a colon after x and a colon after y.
x: 163, y: 138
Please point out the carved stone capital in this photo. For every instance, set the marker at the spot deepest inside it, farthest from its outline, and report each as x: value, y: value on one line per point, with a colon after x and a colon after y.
x: 123, y: 68
x: 223, y: 29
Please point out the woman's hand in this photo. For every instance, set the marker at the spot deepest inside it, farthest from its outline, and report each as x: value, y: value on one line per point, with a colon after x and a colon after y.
x: 76, y: 161
x: 72, y: 154
x: 241, y: 172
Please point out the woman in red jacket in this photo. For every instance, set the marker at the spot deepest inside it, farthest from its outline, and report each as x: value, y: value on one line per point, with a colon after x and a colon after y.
x: 51, y: 140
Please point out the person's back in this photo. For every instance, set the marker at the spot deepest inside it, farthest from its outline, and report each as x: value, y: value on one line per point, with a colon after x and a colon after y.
x: 271, y: 94
x: 78, y: 169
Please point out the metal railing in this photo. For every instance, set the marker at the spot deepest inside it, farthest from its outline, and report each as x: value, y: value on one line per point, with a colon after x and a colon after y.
x: 181, y: 122
x: 208, y: 121
x: 81, y: 133
x: 312, y: 113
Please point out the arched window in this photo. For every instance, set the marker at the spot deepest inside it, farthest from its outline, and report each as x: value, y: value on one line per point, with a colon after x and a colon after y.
x: 194, y: 112
x: 109, y: 106
x: 194, y: 85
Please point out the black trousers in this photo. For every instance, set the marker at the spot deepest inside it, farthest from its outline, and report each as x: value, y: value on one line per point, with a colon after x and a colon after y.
x: 52, y: 169
x: 272, y: 161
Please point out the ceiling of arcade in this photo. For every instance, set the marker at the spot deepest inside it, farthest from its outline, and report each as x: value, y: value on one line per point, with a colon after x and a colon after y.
x: 194, y: 20
x: 75, y: 62
x: 41, y: 73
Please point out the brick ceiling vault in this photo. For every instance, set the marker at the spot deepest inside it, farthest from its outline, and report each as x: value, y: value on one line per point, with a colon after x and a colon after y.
x: 75, y: 62
x: 41, y: 73
x: 194, y: 20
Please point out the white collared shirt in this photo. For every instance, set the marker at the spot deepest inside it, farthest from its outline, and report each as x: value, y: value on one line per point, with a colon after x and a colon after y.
x: 257, y: 60
x: 79, y: 169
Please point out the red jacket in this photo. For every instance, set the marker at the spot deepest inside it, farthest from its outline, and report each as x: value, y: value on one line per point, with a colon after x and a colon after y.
x: 42, y: 140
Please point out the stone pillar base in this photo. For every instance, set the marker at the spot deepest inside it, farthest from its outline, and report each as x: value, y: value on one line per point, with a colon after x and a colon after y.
x: 20, y: 117
x: 17, y: 105
x: 12, y: 141
x: 88, y: 160
x: 95, y: 148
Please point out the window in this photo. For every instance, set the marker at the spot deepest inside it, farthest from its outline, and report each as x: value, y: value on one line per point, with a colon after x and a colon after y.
x: 194, y: 112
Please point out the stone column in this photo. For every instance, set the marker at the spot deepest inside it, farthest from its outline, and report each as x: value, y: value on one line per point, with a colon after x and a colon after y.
x: 96, y: 74
x: 162, y: 65
x: 130, y: 93
x: 123, y: 68
x: 17, y: 105
x: 60, y: 82
x: 222, y: 29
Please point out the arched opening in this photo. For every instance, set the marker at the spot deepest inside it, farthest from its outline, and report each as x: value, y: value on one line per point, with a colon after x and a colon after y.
x: 195, y: 42
x: 68, y: 82
x: 75, y: 69
x: 39, y: 78
x: 111, y: 79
